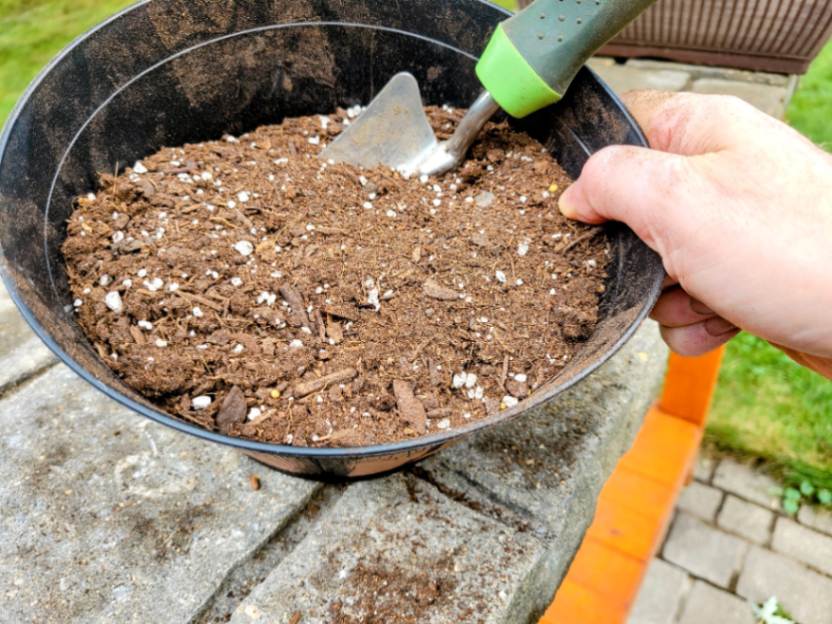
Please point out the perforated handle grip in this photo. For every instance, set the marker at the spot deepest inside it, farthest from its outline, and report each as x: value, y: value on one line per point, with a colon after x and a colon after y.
x: 534, y: 55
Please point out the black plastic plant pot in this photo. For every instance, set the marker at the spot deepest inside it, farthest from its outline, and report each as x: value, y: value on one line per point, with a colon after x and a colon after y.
x: 167, y: 72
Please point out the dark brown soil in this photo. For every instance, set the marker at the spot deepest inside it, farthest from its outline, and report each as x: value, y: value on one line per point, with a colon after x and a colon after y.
x: 248, y: 286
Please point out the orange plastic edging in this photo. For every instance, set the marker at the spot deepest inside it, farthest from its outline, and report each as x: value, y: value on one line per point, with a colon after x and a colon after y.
x: 636, y: 503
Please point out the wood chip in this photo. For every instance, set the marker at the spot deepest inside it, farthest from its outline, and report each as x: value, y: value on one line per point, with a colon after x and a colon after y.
x: 517, y: 389
x: 306, y: 388
x: 295, y: 618
x: 435, y: 290
x: 295, y: 301
x: 232, y: 411
x: 137, y: 335
x: 334, y: 330
x: 410, y: 408
x: 342, y: 312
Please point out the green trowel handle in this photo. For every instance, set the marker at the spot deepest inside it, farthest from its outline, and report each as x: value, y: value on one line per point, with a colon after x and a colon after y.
x: 533, y: 56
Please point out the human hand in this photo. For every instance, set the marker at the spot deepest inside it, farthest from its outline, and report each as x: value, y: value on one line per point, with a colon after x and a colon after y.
x: 738, y: 206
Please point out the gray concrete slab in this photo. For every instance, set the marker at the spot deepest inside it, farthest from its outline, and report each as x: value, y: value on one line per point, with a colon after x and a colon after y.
x: 396, y: 549
x: 107, y: 517
x: 22, y: 354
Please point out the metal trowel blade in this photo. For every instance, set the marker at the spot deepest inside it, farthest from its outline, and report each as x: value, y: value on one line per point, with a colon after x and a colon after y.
x: 393, y: 130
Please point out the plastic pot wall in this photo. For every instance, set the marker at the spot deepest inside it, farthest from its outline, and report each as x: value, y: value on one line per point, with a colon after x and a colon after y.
x: 168, y: 72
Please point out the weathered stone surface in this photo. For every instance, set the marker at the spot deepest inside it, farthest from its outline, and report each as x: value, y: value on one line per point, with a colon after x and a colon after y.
x: 700, y: 500
x: 704, y: 551
x: 742, y: 480
x: 21, y: 352
x: 817, y: 518
x: 803, y: 544
x: 546, y: 469
x: 705, y: 467
x: 706, y: 603
x: 768, y: 98
x: 623, y: 77
x: 746, y: 519
x: 397, y: 547
x: 107, y: 517
x: 661, y: 594
x: 23, y: 361
x: 805, y: 594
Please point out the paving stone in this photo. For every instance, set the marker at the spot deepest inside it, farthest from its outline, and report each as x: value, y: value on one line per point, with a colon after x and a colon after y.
x: 746, y: 519
x: 700, y: 500
x: 768, y: 98
x: 661, y: 594
x: 706, y: 603
x: 745, y: 482
x: 546, y: 469
x: 803, y: 544
x: 708, y: 71
x: 705, y: 467
x: 817, y: 518
x: 704, y: 551
x: 805, y: 594
x: 21, y: 352
x: 108, y: 517
x: 623, y: 78
x: 397, y: 547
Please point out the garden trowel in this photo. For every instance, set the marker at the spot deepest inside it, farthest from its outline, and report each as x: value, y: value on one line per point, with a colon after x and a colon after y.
x: 528, y: 64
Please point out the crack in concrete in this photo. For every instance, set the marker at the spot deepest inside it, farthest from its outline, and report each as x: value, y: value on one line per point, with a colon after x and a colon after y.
x: 491, y: 505
x: 12, y: 387
x: 243, y: 578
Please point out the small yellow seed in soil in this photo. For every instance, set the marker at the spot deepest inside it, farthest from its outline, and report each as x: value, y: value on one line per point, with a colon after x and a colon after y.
x: 503, y: 406
x: 275, y: 394
x: 553, y: 187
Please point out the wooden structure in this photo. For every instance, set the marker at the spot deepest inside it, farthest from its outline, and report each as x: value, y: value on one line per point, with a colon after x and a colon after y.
x: 780, y: 36
x: 636, y: 504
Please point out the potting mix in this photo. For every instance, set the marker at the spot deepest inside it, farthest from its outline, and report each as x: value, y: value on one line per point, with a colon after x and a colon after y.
x: 246, y: 285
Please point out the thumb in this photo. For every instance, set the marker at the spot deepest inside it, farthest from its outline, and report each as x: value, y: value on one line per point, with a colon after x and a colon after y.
x: 635, y: 185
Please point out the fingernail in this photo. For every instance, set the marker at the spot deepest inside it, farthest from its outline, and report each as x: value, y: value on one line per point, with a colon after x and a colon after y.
x: 701, y: 308
x: 567, y: 208
x: 719, y: 326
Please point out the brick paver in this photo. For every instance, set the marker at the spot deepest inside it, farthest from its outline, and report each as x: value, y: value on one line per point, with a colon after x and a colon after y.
x: 818, y: 519
x: 803, y: 544
x: 805, y: 594
x: 746, y: 520
x: 742, y: 480
x: 751, y: 552
x: 707, y: 604
x: 704, y: 551
x: 700, y: 500
x: 666, y: 585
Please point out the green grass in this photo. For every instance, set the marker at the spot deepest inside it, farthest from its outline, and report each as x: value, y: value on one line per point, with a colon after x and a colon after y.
x: 765, y: 405
x: 33, y: 31
x: 768, y: 406
x: 811, y: 108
